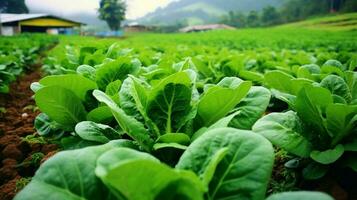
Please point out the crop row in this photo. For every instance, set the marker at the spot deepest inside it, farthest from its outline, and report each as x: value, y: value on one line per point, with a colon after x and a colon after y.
x: 18, y: 54
x: 191, y: 122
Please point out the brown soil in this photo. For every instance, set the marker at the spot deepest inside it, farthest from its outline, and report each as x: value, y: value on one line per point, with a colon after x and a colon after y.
x: 17, y: 123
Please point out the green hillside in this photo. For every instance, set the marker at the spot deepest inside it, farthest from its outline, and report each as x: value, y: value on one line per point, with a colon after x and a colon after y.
x: 337, y: 22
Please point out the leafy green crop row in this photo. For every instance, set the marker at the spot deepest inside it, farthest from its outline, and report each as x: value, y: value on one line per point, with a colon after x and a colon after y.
x: 18, y: 54
x: 142, y: 120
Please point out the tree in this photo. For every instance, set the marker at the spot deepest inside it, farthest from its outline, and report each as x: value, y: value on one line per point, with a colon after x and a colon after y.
x: 349, y: 6
x: 270, y: 16
x: 253, y: 19
x: 236, y: 19
x: 13, y: 6
x: 113, y: 12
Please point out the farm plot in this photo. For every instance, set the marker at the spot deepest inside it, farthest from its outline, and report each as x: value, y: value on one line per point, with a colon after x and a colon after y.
x: 199, y: 116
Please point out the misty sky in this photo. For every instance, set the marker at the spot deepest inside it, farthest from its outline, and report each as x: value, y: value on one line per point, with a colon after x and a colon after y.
x: 136, y: 8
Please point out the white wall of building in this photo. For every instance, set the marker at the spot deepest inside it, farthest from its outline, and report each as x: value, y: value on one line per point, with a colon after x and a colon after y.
x: 7, y: 30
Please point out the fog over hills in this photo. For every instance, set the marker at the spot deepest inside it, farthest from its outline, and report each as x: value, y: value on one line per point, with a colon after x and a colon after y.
x: 186, y: 11
x: 202, y: 11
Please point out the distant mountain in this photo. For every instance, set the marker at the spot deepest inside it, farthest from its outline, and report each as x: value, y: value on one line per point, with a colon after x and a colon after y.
x: 202, y: 11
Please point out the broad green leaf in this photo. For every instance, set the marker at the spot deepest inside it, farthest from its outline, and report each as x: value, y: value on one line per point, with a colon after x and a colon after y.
x: 314, y: 171
x: 351, y: 80
x: 113, y: 88
x: 307, y: 71
x: 251, y: 108
x: 92, y: 131
x: 179, y: 138
x: 75, y: 142
x: 71, y: 175
x: 131, y: 126
x: 334, y: 63
x: 173, y: 140
x: 340, y: 119
x: 115, y: 157
x: 72, y: 55
x: 236, y: 176
x: 279, y: 80
x: 337, y: 86
x: 210, y: 170
x: 127, y: 101
x: 115, y: 70
x: 61, y: 105
x: 225, y: 121
x: 134, y: 100
x: 170, y: 102
x: 78, y: 84
x: 86, y: 71
x: 159, y: 146
x: 251, y: 76
x: 326, y: 70
x: 170, y: 107
x: 203, y: 130
x: 124, y: 171
x: 101, y: 114
x: 284, y: 130
x: 186, y: 78
x: 311, y: 104
x: 300, y: 195
x: 201, y: 66
x: 219, y: 100
x: 299, y: 83
x: 329, y: 156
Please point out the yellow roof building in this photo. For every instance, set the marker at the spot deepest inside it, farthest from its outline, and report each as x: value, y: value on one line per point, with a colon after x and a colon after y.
x: 35, y: 23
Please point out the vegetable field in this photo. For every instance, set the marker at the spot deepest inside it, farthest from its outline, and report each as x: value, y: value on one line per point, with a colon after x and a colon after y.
x: 248, y: 114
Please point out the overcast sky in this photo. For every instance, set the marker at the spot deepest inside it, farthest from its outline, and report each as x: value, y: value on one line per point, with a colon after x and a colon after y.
x: 136, y: 8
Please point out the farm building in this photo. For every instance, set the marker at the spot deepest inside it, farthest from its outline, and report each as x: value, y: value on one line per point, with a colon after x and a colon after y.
x: 207, y: 27
x: 135, y: 27
x: 35, y: 23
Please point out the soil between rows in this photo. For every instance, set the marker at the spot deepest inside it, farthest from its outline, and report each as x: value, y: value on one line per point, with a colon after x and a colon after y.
x: 19, y: 157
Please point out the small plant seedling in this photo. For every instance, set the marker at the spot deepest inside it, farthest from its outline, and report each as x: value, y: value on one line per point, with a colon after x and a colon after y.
x: 34, y: 139
x: 21, y: 183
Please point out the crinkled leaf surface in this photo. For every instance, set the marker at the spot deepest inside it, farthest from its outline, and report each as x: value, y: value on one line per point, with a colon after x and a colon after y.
x: 311, y: 104
x: 170, y: 104
x: 284, y: 130
x: 337, y: 86
x: 115, y: 70
x: 251, y: 108
x: 130, y: 125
